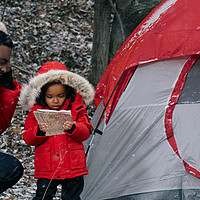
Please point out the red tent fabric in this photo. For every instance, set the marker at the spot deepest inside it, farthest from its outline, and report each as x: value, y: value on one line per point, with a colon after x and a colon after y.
x: 171, y: 30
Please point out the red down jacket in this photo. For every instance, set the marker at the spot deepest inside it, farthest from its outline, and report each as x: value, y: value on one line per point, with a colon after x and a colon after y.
x: 8, y: 102
x: 61, y: 156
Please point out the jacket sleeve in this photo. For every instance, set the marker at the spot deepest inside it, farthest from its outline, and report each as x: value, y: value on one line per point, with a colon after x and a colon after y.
x: 30, y: 131
x: 8, y: 103
x: 83, y: 127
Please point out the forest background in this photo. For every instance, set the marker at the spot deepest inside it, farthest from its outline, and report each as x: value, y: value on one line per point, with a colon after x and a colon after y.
x: 84, y: 35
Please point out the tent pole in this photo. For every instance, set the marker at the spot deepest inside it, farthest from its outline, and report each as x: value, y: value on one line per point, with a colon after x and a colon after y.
x: 102, y: 114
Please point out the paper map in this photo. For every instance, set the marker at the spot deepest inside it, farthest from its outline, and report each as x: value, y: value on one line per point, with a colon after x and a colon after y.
x: 54, y: 119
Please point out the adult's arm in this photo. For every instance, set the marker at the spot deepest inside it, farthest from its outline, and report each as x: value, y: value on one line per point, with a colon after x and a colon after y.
x: 8, y: 102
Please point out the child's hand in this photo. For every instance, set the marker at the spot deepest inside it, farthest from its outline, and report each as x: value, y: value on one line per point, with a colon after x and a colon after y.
x: 68, y: 125
x: 43, y: 127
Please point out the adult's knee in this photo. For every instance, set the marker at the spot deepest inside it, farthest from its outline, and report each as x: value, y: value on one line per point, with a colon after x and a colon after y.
x: 11, y: 170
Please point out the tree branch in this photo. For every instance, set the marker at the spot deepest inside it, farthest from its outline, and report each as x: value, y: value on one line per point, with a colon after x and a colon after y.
x: 119, y: 19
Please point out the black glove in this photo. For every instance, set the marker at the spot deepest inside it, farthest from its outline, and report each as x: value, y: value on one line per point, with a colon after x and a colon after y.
x: 40, y: 133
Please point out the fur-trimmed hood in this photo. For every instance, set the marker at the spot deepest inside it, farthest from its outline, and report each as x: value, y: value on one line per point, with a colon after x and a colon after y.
x: 53, y: 71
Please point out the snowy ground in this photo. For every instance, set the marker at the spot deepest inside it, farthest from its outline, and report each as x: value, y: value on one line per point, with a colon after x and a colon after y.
x: 43, y: 31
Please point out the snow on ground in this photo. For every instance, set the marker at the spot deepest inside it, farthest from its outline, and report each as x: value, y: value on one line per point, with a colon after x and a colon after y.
x: 42, y: 31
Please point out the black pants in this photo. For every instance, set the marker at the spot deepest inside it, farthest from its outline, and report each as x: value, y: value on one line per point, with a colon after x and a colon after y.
x: 11, y: 171
x: 71, y: 188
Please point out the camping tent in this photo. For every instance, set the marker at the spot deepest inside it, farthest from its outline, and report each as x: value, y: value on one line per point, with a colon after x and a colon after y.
x: 150, y: 92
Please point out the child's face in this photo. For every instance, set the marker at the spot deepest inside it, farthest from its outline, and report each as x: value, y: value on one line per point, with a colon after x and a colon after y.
x: 55, y: 96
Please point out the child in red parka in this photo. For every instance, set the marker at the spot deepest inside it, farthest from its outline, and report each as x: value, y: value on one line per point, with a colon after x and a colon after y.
x: 59, y: 159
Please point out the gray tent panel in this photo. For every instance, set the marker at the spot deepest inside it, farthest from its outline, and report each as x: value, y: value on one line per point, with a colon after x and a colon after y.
x: 191, y: 89
x: 133, y: 158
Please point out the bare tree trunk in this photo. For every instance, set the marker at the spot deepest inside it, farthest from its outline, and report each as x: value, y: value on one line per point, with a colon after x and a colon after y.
x: 101, y: 39
x: 109, y: 36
